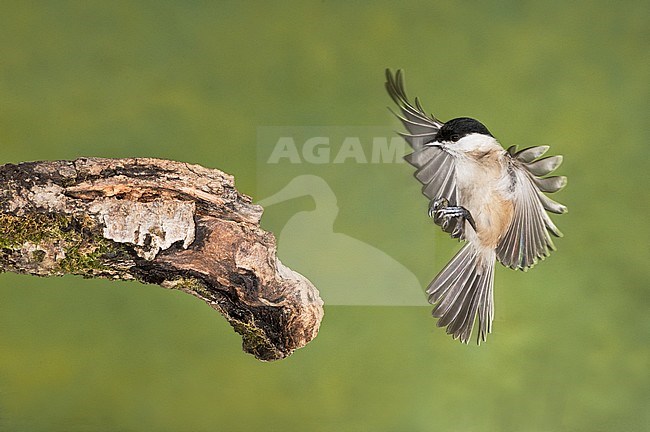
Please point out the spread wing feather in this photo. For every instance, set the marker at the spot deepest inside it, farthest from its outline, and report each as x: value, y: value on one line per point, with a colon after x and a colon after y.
x: 528, y: 239
x: 422, y: 128
x: 435, y: 168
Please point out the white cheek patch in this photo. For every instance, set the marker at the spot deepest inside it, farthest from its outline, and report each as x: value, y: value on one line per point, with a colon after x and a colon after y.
x: 474, y: 142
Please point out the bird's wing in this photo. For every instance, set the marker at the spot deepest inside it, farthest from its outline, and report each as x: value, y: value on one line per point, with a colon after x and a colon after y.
x: 434, y: 167
x: 527, y: 239
x: 422, y: 128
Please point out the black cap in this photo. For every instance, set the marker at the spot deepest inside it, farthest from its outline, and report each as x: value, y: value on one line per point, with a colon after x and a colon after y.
x: 457, y: 128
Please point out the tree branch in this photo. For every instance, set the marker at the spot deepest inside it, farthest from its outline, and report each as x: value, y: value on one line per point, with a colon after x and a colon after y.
x: 169, y: 223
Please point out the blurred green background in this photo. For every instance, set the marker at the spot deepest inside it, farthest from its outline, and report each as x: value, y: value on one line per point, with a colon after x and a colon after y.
x: 194, y: 80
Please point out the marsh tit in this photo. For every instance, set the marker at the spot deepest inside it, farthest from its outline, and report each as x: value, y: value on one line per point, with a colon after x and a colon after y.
x: 491, y: 198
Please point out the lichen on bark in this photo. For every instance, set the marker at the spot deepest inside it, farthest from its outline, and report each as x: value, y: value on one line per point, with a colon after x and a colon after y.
x: 53, y: 244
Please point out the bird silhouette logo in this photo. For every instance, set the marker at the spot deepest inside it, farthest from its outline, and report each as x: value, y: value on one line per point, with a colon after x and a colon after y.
x: 346, y: 270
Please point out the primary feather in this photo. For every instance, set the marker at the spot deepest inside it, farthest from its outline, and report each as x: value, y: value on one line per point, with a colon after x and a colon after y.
x: 527, y: 240
x: 434, y: 167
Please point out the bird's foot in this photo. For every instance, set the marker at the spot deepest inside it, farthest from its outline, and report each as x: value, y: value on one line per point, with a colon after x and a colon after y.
x: 450, y: 218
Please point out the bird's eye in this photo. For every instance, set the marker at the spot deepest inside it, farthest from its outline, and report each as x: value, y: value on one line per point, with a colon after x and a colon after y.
x: 455, y: 137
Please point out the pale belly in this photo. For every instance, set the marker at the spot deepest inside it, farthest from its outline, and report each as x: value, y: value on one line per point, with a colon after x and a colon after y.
x: 483, y: 190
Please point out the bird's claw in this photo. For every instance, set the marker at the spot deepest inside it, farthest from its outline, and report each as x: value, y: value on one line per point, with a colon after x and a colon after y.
x: 450, y: 218
x: 437, y: 205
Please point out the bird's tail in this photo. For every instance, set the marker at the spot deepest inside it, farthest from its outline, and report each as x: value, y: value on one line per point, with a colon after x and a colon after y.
x: 463, y: 290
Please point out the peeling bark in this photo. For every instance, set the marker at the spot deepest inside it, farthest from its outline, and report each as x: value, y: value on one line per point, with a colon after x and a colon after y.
x: 177, y: 225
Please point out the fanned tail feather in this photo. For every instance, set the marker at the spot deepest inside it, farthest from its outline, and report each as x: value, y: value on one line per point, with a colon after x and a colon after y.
x: 462, y: 291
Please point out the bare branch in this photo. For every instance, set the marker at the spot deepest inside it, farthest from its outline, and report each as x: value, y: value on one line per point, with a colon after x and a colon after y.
x: 169, y: 223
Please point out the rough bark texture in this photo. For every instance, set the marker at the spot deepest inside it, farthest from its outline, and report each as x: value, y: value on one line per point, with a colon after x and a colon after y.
x: 169, y: 223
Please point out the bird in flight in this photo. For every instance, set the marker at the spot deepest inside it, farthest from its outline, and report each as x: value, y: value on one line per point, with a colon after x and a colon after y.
x: 489, y: 197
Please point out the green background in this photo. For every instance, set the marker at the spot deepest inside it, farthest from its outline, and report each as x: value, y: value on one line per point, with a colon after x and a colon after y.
x: 193, y: 80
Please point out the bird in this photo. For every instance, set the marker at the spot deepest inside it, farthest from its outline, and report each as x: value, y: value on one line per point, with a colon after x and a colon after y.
x: 493, y: 199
